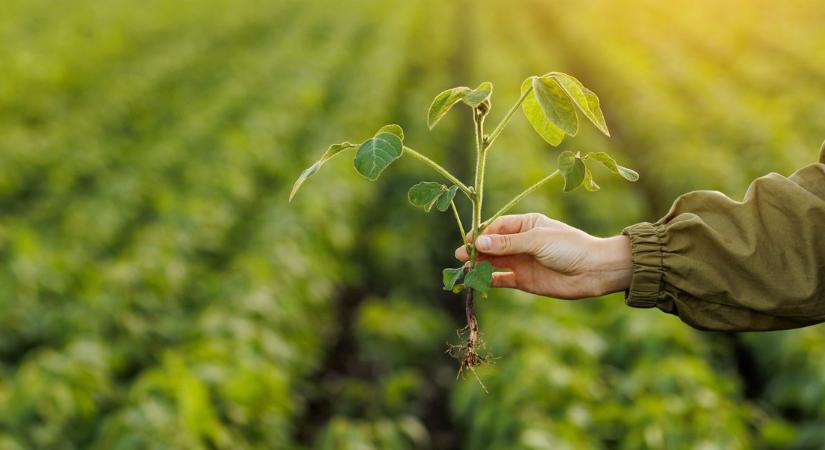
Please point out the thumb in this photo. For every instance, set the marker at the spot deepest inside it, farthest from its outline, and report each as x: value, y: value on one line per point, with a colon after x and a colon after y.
x: 507, y: 244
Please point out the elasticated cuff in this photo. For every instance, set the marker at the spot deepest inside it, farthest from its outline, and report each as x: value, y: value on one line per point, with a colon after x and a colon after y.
x: 647, y: 285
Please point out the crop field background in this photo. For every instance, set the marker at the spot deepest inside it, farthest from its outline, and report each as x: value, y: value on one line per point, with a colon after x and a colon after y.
x: 157, y: 291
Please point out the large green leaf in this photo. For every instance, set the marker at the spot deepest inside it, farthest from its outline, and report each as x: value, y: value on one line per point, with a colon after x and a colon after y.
x: 331, y: 152
x: 377, y: 153
x: 551, y: 134
x: 572, y: 169
x: 610, y: 163
x: 480, y: 277
x: 583, y: 98
x: 427, y: 194
x: 556, y: 104
x: 444, y: 101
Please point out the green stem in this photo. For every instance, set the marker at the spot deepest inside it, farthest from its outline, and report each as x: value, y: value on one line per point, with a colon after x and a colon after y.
x: 444, y: 172
x: 481, y: 160
x: 458, y: 221
x: 500, y: 127
x: 517, y: 199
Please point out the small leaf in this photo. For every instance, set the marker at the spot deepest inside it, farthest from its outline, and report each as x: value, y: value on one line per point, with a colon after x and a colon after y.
x: 628, y: 174
x: 610, y: 163
x: 331, y: 152
x: 589, y: 183
x: 480, y: 277
x: 478, y: 95
x: 572, y: 170
x: 376, y: 153
x: 583, y: 98
x: 445, y: 199
x: 394, y: 129
x: 458, y: 288
x: 551, y: 134
x: 443, y: 102
x: 556, y: 104
x: 451, y: 277
x: 425, y: 194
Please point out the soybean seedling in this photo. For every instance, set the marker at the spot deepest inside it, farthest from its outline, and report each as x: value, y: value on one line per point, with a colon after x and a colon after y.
x: 552, y: 104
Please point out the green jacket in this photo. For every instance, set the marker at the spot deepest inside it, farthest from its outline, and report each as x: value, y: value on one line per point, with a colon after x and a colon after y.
x: 720, y: 264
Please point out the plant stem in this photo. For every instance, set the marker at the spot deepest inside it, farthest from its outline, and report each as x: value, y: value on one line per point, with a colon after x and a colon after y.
x: 481, y: 163
x: 460, y: 225
x: 500, y: 127
x: 517, y: 199
x: 444, y: 172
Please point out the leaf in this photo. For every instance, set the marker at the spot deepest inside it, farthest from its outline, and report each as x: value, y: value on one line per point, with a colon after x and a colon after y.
x: 572, y: 170
x: 394, y: 129
x: 610, y: 163
x: 556, y: 104
x: 376, y: 153
x: 445, y: 199
x: 480, y: 277
x: 583, y: 98
x: 331, y: 152
x: 551, y: 134
x: 442, y: 104
x: 478, y: 95
x: 444, y: 101
x: 427, y: 194
x: 589, y: 183
x: 451, y: 277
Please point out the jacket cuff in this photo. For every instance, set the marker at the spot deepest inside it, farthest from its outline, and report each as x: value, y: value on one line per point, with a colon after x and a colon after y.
x: 647, y: 285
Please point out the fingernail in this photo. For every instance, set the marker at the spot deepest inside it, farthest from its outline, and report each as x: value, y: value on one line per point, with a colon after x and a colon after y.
x: 484, y: 243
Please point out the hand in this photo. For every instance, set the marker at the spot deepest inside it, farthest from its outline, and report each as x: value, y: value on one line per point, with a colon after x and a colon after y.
x: 550, y: 258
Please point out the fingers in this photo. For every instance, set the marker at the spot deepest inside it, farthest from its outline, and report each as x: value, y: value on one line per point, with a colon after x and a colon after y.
x: 505, y: 280
x: 503, y: 244
x: 508, y: 244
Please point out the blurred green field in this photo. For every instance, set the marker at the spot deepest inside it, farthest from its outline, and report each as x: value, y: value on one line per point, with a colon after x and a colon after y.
x: 158, y: 292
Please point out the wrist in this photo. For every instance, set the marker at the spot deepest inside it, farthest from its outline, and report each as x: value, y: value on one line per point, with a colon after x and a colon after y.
x: 611, y: 264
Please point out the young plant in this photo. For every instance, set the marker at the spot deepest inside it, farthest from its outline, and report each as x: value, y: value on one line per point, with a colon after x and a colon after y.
x: 552, y: 104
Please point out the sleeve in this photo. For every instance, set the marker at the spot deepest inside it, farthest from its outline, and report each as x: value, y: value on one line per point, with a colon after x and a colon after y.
x: 719, y: 264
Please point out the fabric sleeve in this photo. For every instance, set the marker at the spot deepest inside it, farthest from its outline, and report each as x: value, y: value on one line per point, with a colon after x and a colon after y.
x: 725, y: 265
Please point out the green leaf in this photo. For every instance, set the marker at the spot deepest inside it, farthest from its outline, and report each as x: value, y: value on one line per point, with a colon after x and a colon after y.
x: 480, y: 277
x: 572, y: 169
x: 556, y: 104
x: 376, y: 153
x: 445, y: 199
x: 427, y: 194
x: 610, y: 163
x: 394, y: 129
x: 589, y: 182
x: 331, y: 152
x: 478, y: 95
x: 551, y: 134
x: 583, y: 98
x: 451, y: 277
x: 444, y: 101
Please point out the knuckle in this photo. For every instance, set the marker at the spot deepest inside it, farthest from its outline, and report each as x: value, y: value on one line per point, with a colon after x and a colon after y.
x: 505, y: 242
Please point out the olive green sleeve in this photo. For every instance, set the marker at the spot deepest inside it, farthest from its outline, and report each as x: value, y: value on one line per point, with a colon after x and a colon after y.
x: 720, y: 264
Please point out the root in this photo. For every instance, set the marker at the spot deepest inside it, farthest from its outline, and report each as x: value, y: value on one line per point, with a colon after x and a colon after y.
x: 472, y: 352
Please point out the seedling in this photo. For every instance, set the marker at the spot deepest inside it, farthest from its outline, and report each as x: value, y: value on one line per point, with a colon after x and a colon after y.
x: 550, y: 103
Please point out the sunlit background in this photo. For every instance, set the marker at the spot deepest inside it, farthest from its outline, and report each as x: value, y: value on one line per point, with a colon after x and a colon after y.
x: 157, y: 291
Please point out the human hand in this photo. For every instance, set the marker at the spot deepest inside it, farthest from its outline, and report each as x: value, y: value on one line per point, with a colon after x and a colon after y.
x: 551, y: 258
